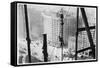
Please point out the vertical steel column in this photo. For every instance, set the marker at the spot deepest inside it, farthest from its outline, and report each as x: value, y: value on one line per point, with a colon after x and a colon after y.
x: 45, y: 47
x: 27, y: 33
x: 77, y: 34
x: 88, y: 31
x: 61, y: 32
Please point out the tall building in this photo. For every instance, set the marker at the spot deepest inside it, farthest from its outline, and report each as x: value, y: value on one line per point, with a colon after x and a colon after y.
x: 52, y: 28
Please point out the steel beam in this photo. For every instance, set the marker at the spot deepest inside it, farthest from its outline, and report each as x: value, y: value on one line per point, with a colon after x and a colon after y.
x: 77, y: 34
x: 45, y: 47
x: 88, y: 31
x: 84, y: 29
x: 27, y: 33
x: 85, y: 49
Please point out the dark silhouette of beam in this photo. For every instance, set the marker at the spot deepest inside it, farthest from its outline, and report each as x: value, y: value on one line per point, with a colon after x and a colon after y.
x: 45, y: 47
x: 76, y: 34
x: 85, y: 49
x: 83, y: 29
x: 27, y: 33
x: 88, y: 31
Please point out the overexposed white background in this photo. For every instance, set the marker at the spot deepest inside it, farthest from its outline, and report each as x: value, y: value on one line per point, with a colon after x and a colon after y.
x: 5, y: 34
